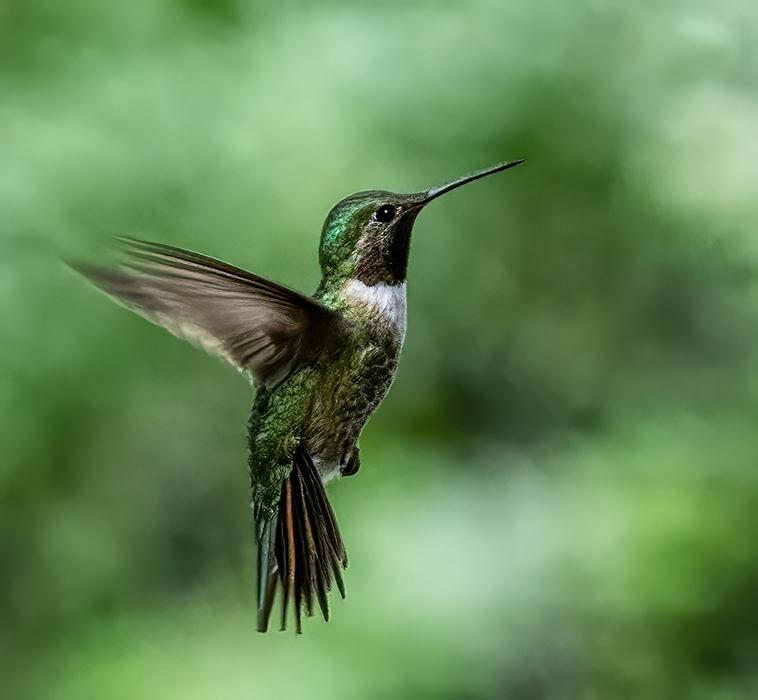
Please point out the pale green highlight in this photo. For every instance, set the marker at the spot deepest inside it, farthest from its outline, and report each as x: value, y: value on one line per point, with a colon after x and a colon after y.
x: 341, y: 231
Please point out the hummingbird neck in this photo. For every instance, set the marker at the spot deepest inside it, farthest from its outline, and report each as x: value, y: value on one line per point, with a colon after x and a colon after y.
x: 381, y: 298
x: 384, y: 303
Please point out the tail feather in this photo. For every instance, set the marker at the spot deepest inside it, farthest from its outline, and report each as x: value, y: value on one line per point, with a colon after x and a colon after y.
x: 267, y: 571
x: 302, y: 549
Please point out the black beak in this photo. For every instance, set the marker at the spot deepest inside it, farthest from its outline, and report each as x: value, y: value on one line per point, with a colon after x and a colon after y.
x: 435, y: 192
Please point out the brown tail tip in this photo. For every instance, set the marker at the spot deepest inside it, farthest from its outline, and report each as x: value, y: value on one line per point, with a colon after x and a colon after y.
x: 307, y: 548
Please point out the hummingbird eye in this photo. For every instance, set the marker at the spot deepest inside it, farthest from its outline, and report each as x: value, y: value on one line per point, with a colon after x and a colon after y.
x: 385, y: 213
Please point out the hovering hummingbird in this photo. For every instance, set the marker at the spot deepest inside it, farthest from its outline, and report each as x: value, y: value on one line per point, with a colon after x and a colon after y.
x: 320, y: 366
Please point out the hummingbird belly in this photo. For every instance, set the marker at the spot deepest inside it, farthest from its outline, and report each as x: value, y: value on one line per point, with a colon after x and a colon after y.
x: 345, y: 401
x: 350, y: 391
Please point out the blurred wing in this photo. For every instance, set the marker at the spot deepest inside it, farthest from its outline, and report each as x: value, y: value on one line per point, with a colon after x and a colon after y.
x: 257, y: 325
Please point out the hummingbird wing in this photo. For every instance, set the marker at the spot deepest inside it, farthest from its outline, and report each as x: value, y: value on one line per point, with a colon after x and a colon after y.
x: 257, y: 325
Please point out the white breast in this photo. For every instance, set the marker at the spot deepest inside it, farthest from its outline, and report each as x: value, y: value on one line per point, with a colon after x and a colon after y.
x: 385, y: 299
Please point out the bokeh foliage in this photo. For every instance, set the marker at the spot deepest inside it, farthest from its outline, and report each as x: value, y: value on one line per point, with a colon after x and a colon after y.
x: 559, y: 498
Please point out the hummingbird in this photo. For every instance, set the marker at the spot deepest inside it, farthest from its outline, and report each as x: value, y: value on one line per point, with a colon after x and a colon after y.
x: 320, y: 366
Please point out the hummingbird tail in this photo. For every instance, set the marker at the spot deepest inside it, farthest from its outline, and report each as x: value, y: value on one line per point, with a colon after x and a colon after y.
x: 301, y: 547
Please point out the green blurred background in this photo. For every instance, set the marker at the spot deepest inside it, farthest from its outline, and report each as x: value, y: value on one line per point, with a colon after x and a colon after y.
x: 559, y: 497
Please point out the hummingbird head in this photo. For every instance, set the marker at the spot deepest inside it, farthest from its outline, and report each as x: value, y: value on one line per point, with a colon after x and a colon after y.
x: 367, y: 235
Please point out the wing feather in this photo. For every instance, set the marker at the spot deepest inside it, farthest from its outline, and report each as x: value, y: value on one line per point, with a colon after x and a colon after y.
x: 257, y: 325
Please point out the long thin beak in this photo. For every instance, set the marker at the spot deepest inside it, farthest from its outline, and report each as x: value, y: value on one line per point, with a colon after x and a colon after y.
x: 435, y: 192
